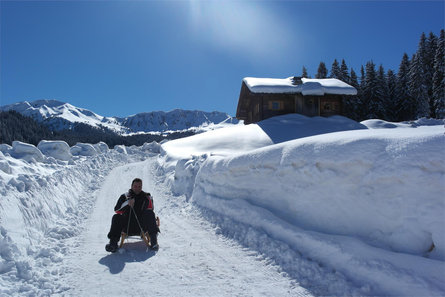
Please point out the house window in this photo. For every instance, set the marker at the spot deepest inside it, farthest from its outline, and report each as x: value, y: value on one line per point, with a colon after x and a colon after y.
x: 276, y: 105
x: 330, y: 107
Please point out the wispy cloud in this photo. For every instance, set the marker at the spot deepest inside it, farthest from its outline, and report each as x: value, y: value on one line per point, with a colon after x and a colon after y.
x: 244, y: 27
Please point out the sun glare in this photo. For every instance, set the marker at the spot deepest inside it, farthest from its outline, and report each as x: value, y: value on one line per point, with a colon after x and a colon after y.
x: 243, y: 27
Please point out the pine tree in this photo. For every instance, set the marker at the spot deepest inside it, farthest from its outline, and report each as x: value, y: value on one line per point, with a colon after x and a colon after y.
x: 357, y: 98
x: 420, y: 79
x: 354, y: 80
x: 439, y: 78
x: 362, y: 108
x: 362, y: 78
x: 14, y: 126
x: 370, y: 91
x: 344, y: 75
x: 381, y: 100
x: 391, y: 107
x: 430, y: 53
x: 335, y: 70
x: 322, y: 71
x: 352, y: 103
x: 304, y: 72
x: 417, y: 85
x: 403, y: 97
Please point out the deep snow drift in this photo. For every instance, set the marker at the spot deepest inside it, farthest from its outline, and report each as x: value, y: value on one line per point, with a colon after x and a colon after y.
x: 243, y: 138
x: 337, y: 207
x: 382, y: 188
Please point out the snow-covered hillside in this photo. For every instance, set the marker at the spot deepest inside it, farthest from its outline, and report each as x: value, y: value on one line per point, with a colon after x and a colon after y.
x: 59, y: 115
x: 292, y: 206
x: 177, y: 119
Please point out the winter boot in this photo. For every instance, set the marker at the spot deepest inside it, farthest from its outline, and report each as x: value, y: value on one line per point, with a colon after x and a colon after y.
x: 112, y: 246
x: 154, y: 241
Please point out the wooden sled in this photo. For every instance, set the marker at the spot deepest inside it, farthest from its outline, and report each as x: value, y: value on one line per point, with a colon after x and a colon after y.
x: 143, y: 235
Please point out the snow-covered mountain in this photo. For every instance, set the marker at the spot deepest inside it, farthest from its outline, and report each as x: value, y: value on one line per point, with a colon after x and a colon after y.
x: 176, y: 119
x: 59, y: 115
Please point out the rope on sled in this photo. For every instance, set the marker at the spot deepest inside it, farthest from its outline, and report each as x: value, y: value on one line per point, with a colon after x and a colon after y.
x: 128, y: 224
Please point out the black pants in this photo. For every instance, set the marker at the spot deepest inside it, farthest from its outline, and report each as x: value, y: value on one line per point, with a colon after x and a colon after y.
x: 120, y: 223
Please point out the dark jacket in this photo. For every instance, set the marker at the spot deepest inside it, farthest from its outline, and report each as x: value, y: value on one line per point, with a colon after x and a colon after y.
x: 142, y: 201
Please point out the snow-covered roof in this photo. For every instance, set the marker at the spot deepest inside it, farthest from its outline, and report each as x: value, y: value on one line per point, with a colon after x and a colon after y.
x: 309, y: 86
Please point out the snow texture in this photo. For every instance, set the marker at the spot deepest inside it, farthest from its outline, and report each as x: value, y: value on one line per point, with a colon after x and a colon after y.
x: 309, y: 86
x: 26, y: 152
x: 57, y: 149
x: 374, y: 198
x: 83, y: 149
x: 291, y: 206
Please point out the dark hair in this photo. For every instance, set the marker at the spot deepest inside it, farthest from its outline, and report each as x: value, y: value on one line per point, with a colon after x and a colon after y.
x: 136, y: 180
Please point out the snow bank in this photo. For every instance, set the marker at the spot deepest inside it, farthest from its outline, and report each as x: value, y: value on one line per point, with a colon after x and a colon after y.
x: 43, y: 205
x: 185, y: 174
x: 120, y: 149
x: 26, y: 152
x: 218, y: 142
x: 57, y: 149
x: 5, y: 148
x: 370, y: 184
x: 152, y: 147
x: 381, y: 124
x: 368, y: 202
x: 359, y: 169
x: 180, y: 155
x: 23, y: 165
x: 4, y: 165
x: 386, y: 188
x: 101, y: 147
x: 293, y: 126
x: 244, y: 138
x: 83, y: 149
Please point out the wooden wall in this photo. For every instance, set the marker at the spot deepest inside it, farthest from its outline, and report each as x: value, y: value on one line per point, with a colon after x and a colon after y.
x: 254, y: 107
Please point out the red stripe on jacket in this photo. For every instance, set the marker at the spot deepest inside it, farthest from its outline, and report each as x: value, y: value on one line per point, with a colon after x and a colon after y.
x: 150, y: 203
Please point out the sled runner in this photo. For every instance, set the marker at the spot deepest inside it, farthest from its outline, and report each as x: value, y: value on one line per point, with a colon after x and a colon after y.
x: 145, y: 237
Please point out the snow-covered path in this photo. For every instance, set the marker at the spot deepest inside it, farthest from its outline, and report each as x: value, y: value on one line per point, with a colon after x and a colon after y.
x: 249, y: 222
x: 192, y: 261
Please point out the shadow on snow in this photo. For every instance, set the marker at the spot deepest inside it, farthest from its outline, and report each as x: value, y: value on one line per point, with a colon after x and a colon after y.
x: 130, y: 252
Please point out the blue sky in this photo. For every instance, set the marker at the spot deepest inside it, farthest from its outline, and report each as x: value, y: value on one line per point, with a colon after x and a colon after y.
x: 119, y: 58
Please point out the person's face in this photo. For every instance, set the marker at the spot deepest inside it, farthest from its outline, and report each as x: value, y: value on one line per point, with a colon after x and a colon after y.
x: 136, y: 187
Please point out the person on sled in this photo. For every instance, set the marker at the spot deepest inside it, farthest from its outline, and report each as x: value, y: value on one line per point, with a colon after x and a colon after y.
x: 134, y: 211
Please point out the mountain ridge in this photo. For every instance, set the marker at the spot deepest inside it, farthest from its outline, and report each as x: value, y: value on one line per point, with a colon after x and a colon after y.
x: 60, y: 115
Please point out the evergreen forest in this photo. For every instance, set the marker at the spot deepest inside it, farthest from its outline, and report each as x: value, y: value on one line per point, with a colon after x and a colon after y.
x: 415, y: 91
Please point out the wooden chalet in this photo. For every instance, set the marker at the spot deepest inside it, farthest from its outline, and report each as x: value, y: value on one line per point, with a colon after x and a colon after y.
x: 262, y: 98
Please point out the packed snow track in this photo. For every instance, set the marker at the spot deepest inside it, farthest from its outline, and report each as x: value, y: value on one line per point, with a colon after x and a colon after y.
x: 192, y: 261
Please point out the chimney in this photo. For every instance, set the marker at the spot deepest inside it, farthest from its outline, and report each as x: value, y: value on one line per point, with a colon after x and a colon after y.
x: 296, y: 80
